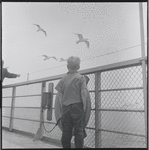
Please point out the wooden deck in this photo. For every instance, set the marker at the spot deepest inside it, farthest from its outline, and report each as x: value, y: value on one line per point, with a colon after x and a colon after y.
x: 14, y: 140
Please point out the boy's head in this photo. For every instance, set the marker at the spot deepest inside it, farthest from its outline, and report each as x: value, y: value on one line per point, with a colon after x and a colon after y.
x: 87, y: 79
x: 73, y: 63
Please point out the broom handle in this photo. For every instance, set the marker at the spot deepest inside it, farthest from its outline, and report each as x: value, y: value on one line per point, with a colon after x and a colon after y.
x: 53, y: 127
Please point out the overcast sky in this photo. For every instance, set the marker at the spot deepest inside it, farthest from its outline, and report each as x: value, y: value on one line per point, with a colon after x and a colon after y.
x: 109, y: 27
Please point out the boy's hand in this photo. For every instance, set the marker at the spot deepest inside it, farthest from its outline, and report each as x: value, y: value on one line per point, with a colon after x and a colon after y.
x: 18, y: 75
x: 84, y: 107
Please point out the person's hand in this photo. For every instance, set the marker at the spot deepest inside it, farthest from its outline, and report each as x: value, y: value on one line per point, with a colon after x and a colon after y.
x: 18, y: 75
x: 84, y: 108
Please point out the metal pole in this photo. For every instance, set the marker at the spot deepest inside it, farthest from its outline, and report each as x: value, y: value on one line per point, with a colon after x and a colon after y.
x: 28, y: 77
x: 97, y: 110
x: 143, y: 65
x: 43, y: 89
x: 12, y: 108
x: 50, y: 101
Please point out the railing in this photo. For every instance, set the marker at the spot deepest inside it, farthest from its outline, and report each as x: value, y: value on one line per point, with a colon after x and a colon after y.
x: 117, y: 101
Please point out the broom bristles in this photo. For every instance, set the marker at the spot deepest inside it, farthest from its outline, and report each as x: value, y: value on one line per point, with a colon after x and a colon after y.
x: 38, y: 134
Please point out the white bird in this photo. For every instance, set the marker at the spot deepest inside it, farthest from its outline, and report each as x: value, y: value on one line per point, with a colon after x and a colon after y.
x: 62, y: 59
x: 81, y: 39
x: 46, y: 57
x: 40, y: 29
x: 57, y: 59
x: 54, y: 58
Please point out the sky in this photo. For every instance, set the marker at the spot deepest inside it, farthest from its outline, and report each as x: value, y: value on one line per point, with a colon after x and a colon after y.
x: 112, y: 29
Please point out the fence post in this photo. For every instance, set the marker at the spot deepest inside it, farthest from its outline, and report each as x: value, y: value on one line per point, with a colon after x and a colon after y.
x: 143, y: 66
x: 27, y: 76
x: 12, y: 108
x: 43, y: 89
x: 50, y: 102
x: 97, y: 110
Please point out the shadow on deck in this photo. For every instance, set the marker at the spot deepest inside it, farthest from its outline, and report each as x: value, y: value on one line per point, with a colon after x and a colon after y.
x: 16, y: 140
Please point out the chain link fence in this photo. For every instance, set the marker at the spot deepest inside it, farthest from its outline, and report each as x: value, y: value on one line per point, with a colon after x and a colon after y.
x: 117, y: 121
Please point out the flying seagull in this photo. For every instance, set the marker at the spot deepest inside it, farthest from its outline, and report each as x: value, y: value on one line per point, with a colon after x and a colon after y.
x: 81, y: 39
x: 40, y: 29
x: 54, y: 57
x: 46, y: 57
x: 62, y: 59
x: 57, y: 59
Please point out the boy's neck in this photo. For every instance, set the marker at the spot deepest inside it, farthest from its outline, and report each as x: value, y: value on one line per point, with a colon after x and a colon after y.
x: 72, y: 71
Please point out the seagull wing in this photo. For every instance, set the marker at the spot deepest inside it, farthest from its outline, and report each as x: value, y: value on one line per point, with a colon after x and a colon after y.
x: 87, y: 43
x: 44, y: 32
x: 61, y: 59
x: 45, y: 56
x: 54, y: 57
x: 37, y: 26
x: 80, y: 36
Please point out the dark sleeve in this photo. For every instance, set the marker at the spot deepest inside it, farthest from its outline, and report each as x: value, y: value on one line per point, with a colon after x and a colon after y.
x: 10, y: 75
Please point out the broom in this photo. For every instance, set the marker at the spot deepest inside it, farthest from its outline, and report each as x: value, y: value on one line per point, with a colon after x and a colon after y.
x: 40, y: 131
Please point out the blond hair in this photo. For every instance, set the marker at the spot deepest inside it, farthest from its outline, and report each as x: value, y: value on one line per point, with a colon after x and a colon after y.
x: 73, y: 63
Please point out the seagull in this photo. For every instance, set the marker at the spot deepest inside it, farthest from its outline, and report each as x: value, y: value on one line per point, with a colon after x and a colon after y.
x: 54, y: 58
x: 62, y: 59
x: 46, y: 57
x: 57, y: 59
x: 81, y: 39
x: 40, y: 29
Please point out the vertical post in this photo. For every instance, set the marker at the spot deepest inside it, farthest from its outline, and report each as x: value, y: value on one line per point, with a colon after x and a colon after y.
x: 27, y: 76
x: 143, y: 65
x: 97, y: 110
x: 12, y: 108
x: 43, y: 89
x: 50, y: 101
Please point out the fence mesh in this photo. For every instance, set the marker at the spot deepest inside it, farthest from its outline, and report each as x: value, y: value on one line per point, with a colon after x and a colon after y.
x: 121, y: 109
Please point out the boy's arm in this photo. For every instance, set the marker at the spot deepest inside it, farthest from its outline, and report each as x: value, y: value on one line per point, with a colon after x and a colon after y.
x: 84, y: 97
x: 84, y: 93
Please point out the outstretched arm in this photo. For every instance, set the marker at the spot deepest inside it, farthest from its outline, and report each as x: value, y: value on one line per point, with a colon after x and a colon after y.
x: 11, y: 75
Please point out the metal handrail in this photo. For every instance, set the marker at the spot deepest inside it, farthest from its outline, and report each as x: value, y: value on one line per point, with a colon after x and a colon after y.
x: 123, y: 64
x: 98, y: 89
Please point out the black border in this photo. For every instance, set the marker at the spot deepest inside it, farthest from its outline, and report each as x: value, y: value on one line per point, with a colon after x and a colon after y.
x: 101, y: 1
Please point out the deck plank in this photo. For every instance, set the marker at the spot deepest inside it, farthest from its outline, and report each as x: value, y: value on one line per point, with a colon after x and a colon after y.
x: 13, y: 140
